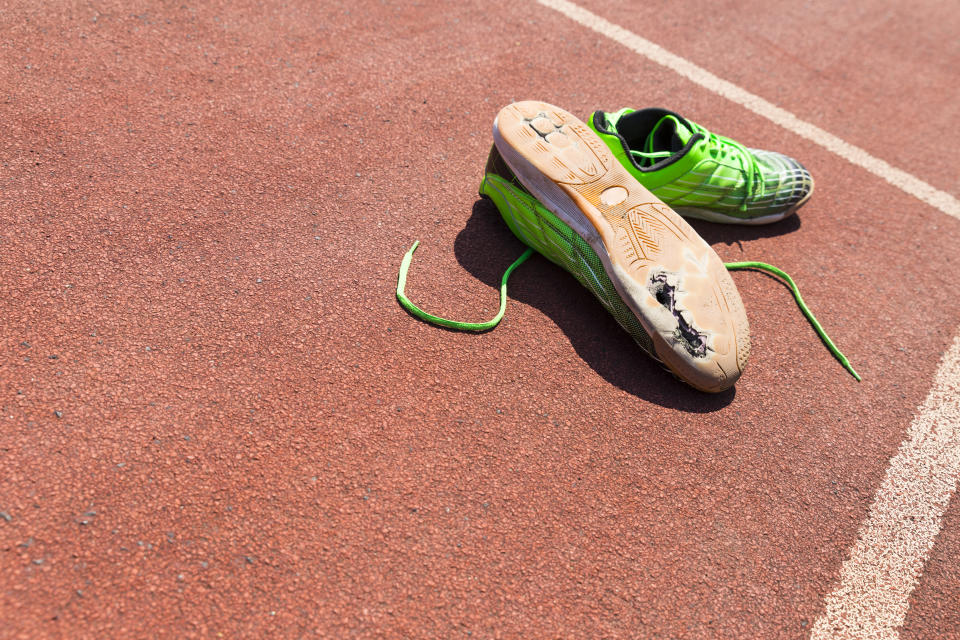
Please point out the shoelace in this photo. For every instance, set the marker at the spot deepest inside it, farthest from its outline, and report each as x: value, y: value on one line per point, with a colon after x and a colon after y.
x: 490, y: 324
x: 748, y: 163
x: 455, y: 324
x: 769, y: 268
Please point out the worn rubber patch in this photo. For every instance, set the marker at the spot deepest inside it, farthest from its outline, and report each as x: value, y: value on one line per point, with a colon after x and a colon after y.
x: 664, y: 287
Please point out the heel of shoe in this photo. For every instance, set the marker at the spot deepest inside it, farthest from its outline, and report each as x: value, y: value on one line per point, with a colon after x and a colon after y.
x: 545, y: 190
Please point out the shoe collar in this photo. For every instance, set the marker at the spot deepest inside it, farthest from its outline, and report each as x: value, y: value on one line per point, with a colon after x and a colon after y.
x: 632, y: 128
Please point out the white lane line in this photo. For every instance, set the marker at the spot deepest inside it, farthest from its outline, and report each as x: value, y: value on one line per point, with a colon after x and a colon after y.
x: 885, y: 564
x: 873, y: 596
x: 855, y: 155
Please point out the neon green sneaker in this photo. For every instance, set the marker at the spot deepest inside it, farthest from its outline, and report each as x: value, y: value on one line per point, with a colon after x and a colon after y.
x: 701, y: 174
x: 672, y: 282
x: 535, y: 226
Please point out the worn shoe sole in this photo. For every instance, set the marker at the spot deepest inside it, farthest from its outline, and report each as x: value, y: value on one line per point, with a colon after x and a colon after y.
x: 670, y: 278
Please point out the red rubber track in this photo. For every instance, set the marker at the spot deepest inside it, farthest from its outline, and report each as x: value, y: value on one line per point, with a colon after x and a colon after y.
x: 217, y: 420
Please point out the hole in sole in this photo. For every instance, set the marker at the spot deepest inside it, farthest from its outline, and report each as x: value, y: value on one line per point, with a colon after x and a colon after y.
x: 663, y: 286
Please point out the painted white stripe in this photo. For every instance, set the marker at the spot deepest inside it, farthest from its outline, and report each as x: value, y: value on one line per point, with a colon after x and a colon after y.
x: 885, y: 564
x: 898, y: 178
x: 887, y: 560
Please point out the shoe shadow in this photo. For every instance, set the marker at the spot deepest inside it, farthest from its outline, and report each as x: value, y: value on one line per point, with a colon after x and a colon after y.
x: 486, y: 247
x: 734, y: 234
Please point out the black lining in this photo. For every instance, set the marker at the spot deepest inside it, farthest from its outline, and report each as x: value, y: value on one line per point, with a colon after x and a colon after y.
x: 639, y: 122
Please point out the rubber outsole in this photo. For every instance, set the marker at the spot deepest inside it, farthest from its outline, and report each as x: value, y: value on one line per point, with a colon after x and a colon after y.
x: 670, y: 278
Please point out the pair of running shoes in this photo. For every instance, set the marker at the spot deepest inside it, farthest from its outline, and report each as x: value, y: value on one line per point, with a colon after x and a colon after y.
x: 601, y: 200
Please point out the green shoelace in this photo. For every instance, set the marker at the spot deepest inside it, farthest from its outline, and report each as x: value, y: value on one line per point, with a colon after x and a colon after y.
x: 769, y: 268
x: 490, y: 324
x: 455, y: 324
x: 747, y: 161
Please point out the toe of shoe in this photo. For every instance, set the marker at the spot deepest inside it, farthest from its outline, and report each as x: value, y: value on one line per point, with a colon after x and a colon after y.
x: 787, y: 183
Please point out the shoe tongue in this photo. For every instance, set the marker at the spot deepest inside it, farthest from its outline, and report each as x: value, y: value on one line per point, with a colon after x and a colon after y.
x: 668, y: 134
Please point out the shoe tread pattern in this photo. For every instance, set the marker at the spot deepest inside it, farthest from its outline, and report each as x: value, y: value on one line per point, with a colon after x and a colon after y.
x: 641, y: 236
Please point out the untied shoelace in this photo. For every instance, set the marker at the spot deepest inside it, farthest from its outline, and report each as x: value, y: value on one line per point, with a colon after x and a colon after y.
x: 490, y: 324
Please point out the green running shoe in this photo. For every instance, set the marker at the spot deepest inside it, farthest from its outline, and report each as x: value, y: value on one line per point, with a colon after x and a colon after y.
x: 670, y: 280
x: 535, y: 226
x: 701, y: 174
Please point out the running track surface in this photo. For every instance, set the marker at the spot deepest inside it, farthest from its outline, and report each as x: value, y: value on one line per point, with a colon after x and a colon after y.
x: 216, y: 420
